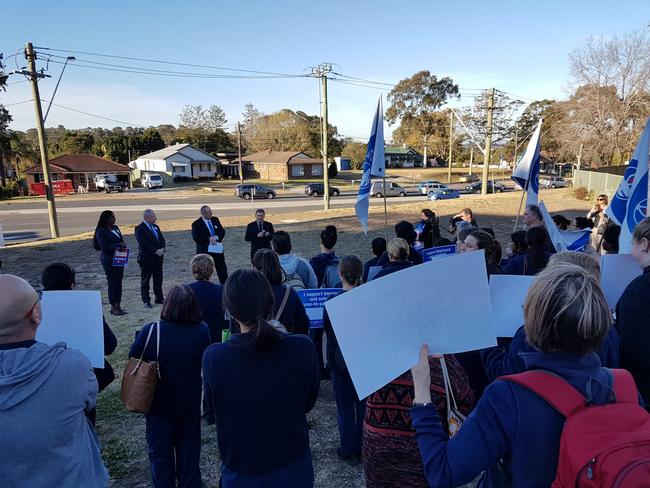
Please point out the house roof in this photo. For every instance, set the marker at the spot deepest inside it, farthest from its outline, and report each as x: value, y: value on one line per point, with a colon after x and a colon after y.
x: 171, y: 150
x: 278, y: 157
x: 81, y: 163
x: 400, y: 150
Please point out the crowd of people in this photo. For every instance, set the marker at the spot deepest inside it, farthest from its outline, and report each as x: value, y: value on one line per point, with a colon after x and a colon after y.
x: 241, y: 355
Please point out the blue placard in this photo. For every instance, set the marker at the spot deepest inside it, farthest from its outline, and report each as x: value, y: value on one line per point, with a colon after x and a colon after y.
x: 313, y: 301
x: 432, y: 252
x: 121, y: 257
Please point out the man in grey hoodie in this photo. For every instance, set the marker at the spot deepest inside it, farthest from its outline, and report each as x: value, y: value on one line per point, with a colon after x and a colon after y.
x: 45, y: 438
x: 292, y: 264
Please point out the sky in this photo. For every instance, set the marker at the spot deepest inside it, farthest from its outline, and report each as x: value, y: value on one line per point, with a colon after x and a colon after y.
x: 518, y: 47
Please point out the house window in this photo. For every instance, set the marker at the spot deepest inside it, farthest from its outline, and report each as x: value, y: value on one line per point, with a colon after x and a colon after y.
x: 316, y: 170
x: 179, y: 169
x: 297, y: 170
x: 82, y: 179
x: 204, y: 166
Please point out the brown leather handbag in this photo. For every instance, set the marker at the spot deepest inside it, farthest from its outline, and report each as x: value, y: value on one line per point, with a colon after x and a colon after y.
x: 140, y: 378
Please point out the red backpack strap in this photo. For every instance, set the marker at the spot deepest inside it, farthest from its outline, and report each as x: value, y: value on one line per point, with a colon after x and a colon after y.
x: 557, y: 392
x: 624, y: 387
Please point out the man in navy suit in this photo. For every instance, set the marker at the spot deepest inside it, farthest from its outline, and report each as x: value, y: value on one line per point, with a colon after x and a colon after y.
x: 208, y: 233
x: 151, y: 248
x: 259, y: 233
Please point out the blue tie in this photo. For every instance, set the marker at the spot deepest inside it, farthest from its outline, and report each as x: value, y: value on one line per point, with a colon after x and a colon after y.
x: 211, y: 228
x: 153, y: 229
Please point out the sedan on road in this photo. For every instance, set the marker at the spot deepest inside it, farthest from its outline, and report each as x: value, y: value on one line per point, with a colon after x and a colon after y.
x: 423, y: 184
x: 425, y: 190
x: 318, y: 190
x: 443, y: 194
x: 492, y: 187
x: 552, y: 182
x: 254, y: 191
x: 468, y: 179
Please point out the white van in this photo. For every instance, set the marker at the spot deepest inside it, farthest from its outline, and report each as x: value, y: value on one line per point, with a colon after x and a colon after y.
x: 151, y: 180
x: 390, y: 189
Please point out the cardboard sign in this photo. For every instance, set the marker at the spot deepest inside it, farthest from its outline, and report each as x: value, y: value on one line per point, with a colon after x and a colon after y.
x: 433, y: 252
x: 313, y: 301
x: 381, y: 325
x: 74, y: 317
x: 508, y: 294
x: 121, y: 258
x: 616, y: 272
x: 373, y: 270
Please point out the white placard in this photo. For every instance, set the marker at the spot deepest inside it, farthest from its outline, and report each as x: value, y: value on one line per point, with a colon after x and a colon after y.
x: 2, y: 237
x: 215, y: 248
x: 508, y: 294
x: 381, y: 325
x: 74, y: 317
x: 616, y: 272
x: 373, y: 270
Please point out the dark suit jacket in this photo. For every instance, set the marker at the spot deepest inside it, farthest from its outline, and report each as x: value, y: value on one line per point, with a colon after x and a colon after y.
x: 108, y: 242
x: 148, y: 244
x: 259, y: 242
x: 201, y: 234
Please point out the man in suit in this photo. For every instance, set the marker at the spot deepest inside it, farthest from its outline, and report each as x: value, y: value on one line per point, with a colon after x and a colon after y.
x: 208, y: 233
x: 151, y: 248
x: 259, y: 233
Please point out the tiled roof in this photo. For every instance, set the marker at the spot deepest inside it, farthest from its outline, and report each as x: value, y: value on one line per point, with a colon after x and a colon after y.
x: 81, y: 163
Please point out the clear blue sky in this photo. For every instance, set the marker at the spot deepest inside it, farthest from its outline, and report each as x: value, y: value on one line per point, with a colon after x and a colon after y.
x: 519, y: 47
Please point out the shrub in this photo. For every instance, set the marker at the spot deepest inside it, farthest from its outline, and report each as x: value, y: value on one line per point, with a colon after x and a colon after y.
x: 581, y: 193
x: 9, y: 191
x: 332, y: 170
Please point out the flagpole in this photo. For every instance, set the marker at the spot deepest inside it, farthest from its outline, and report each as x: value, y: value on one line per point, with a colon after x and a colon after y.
x: 521, y: 202
x: 383, y: 179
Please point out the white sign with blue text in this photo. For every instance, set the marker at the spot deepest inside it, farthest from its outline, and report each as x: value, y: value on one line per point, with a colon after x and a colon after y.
x: 434, y: 252
x: 313, y: 301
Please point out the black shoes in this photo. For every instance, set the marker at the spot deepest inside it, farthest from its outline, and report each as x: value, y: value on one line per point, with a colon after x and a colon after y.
x: 349, y: 460
x: 147, y: 305
x: 160, y: 301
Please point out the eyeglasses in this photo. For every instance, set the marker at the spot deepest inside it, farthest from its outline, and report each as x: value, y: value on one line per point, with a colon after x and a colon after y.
x: 600, y: 200
x: 31, y: 309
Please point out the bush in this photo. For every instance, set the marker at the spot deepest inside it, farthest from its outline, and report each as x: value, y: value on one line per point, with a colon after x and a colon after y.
x: 9, y: 191
x: 332, y: 170
x: 581, y: 193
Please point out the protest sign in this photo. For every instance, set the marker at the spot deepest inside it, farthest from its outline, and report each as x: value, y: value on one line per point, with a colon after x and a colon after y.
x: 373, y: 270
x: 433, y: 252
x: 508, y: 294
x: 121, y: 257
x: 381, y: 325
x: 616, y: 272
x: 313, y: 301
x: 2, y: 237
x: 74, y: 317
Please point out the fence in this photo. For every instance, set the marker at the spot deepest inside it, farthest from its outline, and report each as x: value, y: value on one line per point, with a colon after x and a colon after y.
x: 596, y: 182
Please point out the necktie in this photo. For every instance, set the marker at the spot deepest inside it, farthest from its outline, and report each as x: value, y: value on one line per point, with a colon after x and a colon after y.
x: 211, y: 227
x: 153, y: 229
x: 259, y: 226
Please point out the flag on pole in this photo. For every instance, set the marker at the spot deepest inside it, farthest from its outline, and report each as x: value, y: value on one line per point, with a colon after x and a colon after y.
x: 564, y: 240
x: 373, y: 165
x: 618, y: 206
x: 526, y: 174
x: 637, y: 196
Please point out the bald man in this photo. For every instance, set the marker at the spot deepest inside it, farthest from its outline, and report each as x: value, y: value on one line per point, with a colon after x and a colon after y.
x: 45, y: 439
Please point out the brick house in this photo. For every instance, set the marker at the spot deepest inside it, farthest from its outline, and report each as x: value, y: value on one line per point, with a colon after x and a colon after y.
x: 281, y: 165
x: 80, y: 168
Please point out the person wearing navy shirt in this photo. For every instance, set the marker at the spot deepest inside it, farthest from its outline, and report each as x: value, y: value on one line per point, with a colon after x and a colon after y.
x: 513, y: 433
x: 151, y: 248
x: 261, y: 384
x: 398, y: 257
x: 259, y: 233
x: 207, y: 231
x: 108, y: 239
x: 173, y: 423
x: 378, y: 249
x: 534, y: 258
x: 208, y: 294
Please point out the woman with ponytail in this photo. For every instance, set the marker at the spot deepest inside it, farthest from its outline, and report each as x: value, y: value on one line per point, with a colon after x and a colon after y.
x: 260, y: 384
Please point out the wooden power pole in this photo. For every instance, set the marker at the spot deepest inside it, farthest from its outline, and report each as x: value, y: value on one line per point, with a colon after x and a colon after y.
x: 321, y: 71
x: 488, y: 142
x: 42, y: 139
x: 241, y: 171
x: 451, y: 143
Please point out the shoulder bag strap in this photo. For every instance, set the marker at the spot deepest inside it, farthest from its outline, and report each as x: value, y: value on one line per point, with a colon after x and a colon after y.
x: 287, y: 290
x: 146, y: 343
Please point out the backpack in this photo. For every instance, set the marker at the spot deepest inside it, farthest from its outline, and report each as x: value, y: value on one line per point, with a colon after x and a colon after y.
x: 601, y: 445
x: 295, y: 281
x: 331, y: 278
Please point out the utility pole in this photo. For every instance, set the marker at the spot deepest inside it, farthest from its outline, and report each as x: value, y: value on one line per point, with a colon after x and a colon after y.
x: 321, y: 72
x: 488, y: 142
x: 42, y: 139
x: 451, y: 144
x: 579, y: 156
x: 471, y: 158
x: 514, y: 158
x: 241, y: 172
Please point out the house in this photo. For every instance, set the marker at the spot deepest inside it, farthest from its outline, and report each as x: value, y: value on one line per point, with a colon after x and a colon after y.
x: 80, y: 168
x: 180, y: 161
x: 402, y: 157
x: 281, y: 165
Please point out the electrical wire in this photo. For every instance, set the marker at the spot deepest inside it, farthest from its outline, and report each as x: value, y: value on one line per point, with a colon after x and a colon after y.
x: 16, y: 103
x: 92, y: 115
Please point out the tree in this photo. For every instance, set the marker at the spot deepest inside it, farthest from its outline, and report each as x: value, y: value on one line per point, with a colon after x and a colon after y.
x: 414, y: 101
x: 356, y: 151
x: 332, y: 170
x: 207, y: 120
x: 436, y: 143
x: 251, y: 116
x: 505, y: 109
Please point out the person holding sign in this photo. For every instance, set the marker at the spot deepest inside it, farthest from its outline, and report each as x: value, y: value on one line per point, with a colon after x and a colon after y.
x: 109, y: 240
x: 632, y: 314
x: 513, y: 435
x: 151, y: 248
x: 45, y: 439
x: 208, y: 234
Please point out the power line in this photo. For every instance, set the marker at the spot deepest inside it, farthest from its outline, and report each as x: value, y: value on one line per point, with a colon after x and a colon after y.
x: 93, y: 115
x: 16, y: 103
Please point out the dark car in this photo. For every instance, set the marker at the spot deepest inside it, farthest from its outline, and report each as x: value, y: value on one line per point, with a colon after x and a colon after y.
x: 492, y: 187
x: 255, y: 191
x: 318, y: 189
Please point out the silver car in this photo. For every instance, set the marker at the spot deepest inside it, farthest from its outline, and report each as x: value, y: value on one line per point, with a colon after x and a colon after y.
x: 390, y: 189
x: 552, y: 182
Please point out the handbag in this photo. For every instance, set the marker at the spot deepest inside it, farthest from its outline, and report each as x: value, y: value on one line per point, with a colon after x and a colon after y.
x: 141, y: 378
x: 455, y: 419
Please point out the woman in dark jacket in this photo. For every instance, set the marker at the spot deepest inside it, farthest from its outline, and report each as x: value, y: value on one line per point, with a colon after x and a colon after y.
x: 516, y: 246
x: 209, y: 295
x: 535, y: 258
x: 293, y: 315
x: 398, y: 257
x: 513, y: 432
x: 261, y: 384
x: 632, y: 315
x: 174, y: 419
x: 479, y: 239
x: 107, y: 239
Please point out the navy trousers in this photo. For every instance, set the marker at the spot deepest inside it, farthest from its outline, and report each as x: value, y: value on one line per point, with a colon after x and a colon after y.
x: 114, y: 276
x: 174, y: 450
x: 350, y: 412
x: 147, y: 271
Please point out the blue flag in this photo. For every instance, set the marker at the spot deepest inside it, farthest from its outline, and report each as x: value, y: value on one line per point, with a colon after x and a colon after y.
x: 526, y: 174
x: 637, y: 203
x: 373, y: 165
x: 564, y: 240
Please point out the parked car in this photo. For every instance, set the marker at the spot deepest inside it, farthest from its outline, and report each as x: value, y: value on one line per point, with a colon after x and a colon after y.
x: 492, y: 187
x: 552, y: 182
x: 108, y: 183
x: 424, y: 184
x: 318, y: 190
x: 151, y: 180
x: 390, y: 189
x: 425, y: 190
x: 254, y: 191
x: 469, y: 179
x: 443, y: 194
